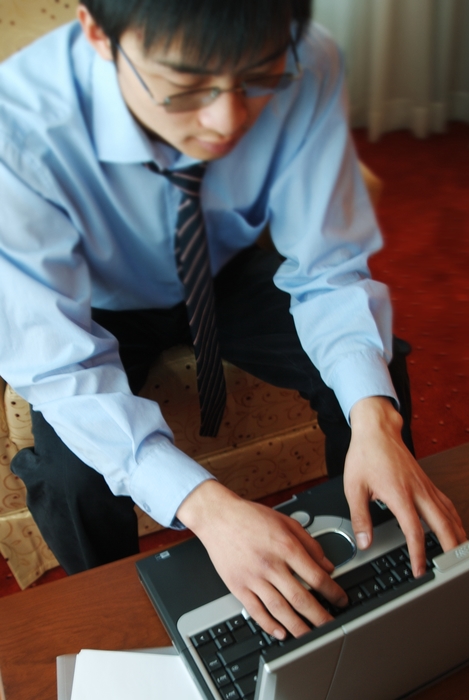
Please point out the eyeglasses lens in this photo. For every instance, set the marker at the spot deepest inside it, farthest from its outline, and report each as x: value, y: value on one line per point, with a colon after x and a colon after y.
x: 260, y: 87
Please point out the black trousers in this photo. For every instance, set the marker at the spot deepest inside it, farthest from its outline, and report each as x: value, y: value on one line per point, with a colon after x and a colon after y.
x: 83, y: 523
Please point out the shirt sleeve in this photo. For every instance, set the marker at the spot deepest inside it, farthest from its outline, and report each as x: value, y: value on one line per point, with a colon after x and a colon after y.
x: 322, y: 222
x: 68, y: 367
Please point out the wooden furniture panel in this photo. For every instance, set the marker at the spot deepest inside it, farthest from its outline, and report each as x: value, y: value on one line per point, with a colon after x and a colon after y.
x: 107, y: 608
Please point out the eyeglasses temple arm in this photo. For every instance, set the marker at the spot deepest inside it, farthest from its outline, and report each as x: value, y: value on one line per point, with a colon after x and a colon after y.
x: 135, y: 72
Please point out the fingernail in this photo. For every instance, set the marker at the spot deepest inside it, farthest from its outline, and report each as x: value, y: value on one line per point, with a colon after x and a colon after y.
x: 362, y: 540
x: 328, y: 564
x: 278, y: 634
x: 420, y: 572
x: 343, y: 601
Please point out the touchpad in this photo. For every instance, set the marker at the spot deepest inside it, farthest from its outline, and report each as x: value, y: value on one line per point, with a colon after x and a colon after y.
x: 337, y: 548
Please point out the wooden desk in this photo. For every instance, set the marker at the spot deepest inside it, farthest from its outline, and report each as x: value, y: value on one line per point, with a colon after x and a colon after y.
x: 106, y: 608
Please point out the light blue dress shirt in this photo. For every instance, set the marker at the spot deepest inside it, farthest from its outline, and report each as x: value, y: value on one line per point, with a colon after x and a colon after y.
x: 83, y: 224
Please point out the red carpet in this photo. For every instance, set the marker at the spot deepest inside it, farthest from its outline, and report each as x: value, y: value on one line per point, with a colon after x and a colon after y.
x: 424, y: 214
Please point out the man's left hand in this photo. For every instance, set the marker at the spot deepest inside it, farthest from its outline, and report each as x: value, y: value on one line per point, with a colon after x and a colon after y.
x: 379, y: 466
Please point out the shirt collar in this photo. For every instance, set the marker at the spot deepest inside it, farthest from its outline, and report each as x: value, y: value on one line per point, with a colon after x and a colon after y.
x: 117, y: 136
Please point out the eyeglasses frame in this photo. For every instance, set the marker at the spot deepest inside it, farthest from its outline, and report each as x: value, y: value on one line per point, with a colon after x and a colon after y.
x: 215, y: 91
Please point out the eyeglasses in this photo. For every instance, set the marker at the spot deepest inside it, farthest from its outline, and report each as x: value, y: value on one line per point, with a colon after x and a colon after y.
x: 192, y: 100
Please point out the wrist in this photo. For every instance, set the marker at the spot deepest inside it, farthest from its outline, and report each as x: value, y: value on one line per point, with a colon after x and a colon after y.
x: 203, y: 504
x: 375, y: 412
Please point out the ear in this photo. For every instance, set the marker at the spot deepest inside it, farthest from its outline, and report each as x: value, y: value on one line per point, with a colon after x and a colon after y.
x: 93, y: 32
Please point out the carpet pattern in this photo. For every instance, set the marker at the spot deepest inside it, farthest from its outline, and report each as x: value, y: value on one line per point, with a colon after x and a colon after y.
x: 424, y: 215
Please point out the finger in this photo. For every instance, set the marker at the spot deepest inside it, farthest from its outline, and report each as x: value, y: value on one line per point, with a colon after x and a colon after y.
x: 314, y: 576
x: 290, y: 600
x: 315, y: 551
x: 272, y: 611
x: 451, y: 529
x: 448, y: 503
x: 408, y: 518
x: 358, y: 500
x: 438, y: 513
x: 441, y: 517
x: 320, y: 582
x: 415, y: 538
x: 313, y: 568
x: 255, y: 608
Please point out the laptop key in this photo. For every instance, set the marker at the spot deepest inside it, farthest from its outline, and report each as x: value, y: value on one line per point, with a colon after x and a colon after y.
x: 368, y: 594
x: 383, y: 564
x: 218, y: 630
x: 435, y: 551
x: 431, y: 543
x: 221, y: 678
x: 242, y: 667
x: 207, y: 650
x: 257, y: 629
x: 356, y: 576
x: 237, y: 651
x: 229, y: 693
x: 404, y: 572
x: 236, y: 622
x: 400, y: 555
x: 213, y: 663
x: 224, y: 641
x: 255, y: 626
x: 372, y: 588
x: 356, y: 596
x: 242, y: 633
x: 270, y: 639
x: 201, y: 638
x: 247, y: 685
x: 387, y: 580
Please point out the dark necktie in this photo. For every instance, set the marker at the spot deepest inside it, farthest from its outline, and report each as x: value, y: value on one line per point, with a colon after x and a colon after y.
x: 193, y: 266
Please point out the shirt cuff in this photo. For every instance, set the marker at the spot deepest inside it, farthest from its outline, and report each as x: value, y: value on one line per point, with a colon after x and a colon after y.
x: 361, y: 375
x: 163, y: 480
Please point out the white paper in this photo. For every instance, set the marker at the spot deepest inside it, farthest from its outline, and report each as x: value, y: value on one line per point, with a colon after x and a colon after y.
x: 126, y: 675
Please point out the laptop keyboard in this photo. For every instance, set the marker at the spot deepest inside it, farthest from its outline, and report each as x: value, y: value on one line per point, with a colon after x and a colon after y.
x: 230, y: 650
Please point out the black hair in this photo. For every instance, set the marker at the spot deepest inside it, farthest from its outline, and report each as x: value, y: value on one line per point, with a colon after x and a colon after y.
x: 223, y: 31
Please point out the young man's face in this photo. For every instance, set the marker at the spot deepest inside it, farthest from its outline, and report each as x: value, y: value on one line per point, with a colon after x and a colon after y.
x: 206, y: 133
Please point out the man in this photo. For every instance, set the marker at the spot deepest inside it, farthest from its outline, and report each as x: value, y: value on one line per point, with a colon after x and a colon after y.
x: 104, y: 127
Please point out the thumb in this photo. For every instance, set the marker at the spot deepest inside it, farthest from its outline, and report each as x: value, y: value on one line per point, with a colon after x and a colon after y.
x: 360, y: 516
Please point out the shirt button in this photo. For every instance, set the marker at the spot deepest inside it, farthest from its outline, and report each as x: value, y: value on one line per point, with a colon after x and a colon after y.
x: 146, y: 507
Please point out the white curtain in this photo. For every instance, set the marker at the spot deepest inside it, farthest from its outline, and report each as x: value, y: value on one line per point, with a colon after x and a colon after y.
x: 407, y: 61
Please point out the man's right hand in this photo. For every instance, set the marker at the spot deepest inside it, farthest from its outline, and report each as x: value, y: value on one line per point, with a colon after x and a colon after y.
x: 259, y: 553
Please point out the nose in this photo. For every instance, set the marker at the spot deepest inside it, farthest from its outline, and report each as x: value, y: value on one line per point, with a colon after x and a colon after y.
x: 226, y: 115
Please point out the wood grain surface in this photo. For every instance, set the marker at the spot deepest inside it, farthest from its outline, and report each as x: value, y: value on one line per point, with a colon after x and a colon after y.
x: 104, y: 608
x: 107, y: 608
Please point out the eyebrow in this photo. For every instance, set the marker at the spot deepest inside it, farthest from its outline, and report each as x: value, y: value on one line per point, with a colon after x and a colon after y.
x: 198, y: 70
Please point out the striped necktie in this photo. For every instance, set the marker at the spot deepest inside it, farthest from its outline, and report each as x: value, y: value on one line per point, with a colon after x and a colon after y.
x: 193, y: 266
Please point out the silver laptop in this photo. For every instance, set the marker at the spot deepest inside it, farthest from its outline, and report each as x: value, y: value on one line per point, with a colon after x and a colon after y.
x: 397, y: 635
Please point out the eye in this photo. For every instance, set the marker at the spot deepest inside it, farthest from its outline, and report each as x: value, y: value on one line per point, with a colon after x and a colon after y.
x: 262, y: 81
x: 268, y: 77
x: 188, y: 82
x: 184, y: 86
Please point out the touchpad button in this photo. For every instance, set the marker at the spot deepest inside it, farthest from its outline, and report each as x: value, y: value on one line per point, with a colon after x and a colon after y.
x: 337, y: 548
